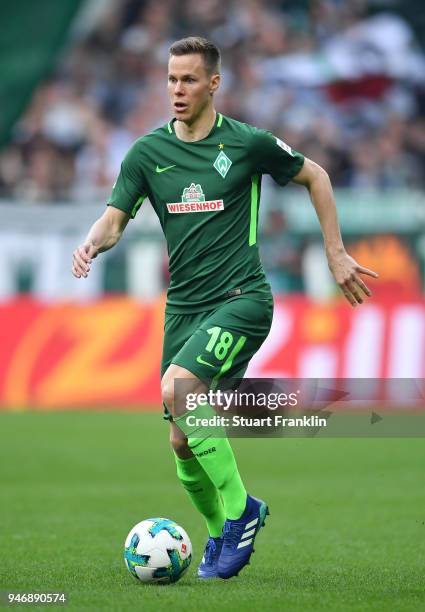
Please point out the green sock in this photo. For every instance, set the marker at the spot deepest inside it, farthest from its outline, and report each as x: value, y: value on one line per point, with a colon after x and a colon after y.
x: 202, y: 493
x: 216, y: 457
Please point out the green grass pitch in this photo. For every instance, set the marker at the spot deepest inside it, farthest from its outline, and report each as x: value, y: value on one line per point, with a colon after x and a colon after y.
x: 346, y: 531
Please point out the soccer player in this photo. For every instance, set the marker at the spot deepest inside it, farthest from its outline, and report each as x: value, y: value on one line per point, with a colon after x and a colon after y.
x: 202, y: 174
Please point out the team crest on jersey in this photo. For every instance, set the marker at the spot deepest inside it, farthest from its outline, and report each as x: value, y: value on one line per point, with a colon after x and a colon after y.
x: 222, y: 164
x: 284, y: 146
x: 193, y: 200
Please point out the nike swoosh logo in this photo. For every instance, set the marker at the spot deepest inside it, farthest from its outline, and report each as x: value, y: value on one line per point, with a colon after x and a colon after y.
x: 159, y: 170
x: 201, y: 361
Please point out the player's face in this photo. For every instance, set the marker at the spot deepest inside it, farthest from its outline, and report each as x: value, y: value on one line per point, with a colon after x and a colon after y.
x: 190, y: 86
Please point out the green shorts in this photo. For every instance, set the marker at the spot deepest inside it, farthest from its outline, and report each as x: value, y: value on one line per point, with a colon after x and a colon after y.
x: 218, y: 343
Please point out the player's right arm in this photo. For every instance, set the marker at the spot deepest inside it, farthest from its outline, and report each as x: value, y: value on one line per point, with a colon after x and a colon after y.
x: 103, y: 235
x: 127, y: 196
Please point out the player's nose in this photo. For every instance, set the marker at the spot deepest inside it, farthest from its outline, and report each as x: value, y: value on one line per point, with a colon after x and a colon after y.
x: 178, y: 87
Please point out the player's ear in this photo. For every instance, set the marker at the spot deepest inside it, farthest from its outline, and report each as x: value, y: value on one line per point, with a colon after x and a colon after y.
x: 214, y: 83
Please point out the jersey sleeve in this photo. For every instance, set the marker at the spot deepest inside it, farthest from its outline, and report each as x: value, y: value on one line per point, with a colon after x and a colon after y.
x: 129, y: 189
x: 275, y: 157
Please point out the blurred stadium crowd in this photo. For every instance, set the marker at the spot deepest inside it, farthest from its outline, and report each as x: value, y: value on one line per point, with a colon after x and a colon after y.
x: 342, y: 82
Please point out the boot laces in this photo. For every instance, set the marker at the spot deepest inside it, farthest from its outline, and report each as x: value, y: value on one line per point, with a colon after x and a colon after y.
x: 210, y: 551
x: 232, y: 533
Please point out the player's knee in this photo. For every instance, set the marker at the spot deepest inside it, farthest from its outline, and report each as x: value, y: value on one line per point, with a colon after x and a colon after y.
x: 167, y: 393
x: 175, y: 404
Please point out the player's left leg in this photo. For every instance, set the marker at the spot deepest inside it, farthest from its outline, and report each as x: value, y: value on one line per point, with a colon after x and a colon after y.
x: 224, y: 343
x: 214, y: 454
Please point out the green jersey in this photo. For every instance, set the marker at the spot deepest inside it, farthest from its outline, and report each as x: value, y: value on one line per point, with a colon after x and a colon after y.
x: 206, y: 195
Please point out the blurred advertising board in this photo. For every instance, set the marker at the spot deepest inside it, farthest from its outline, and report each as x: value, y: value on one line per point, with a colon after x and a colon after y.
x: 107, y: 353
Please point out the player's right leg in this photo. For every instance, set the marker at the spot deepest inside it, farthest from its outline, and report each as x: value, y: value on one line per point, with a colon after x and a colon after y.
x: 200, y: 489
x: 204, y: 496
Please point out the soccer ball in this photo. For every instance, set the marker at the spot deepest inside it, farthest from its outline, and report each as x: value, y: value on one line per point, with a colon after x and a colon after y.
x: 157, y: 550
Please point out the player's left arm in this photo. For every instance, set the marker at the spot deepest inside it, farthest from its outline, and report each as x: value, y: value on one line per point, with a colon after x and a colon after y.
x: 344, y: 268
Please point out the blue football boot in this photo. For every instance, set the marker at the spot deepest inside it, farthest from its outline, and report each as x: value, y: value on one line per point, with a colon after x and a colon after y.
x: 209, y: 563
x: 239, y: 536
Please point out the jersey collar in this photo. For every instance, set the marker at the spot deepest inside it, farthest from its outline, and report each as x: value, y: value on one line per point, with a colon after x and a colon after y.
x: 217, y: 124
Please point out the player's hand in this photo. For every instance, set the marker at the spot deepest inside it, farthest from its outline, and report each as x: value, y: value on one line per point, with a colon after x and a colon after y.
x: 82, y: 258
x: 346, y: 272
